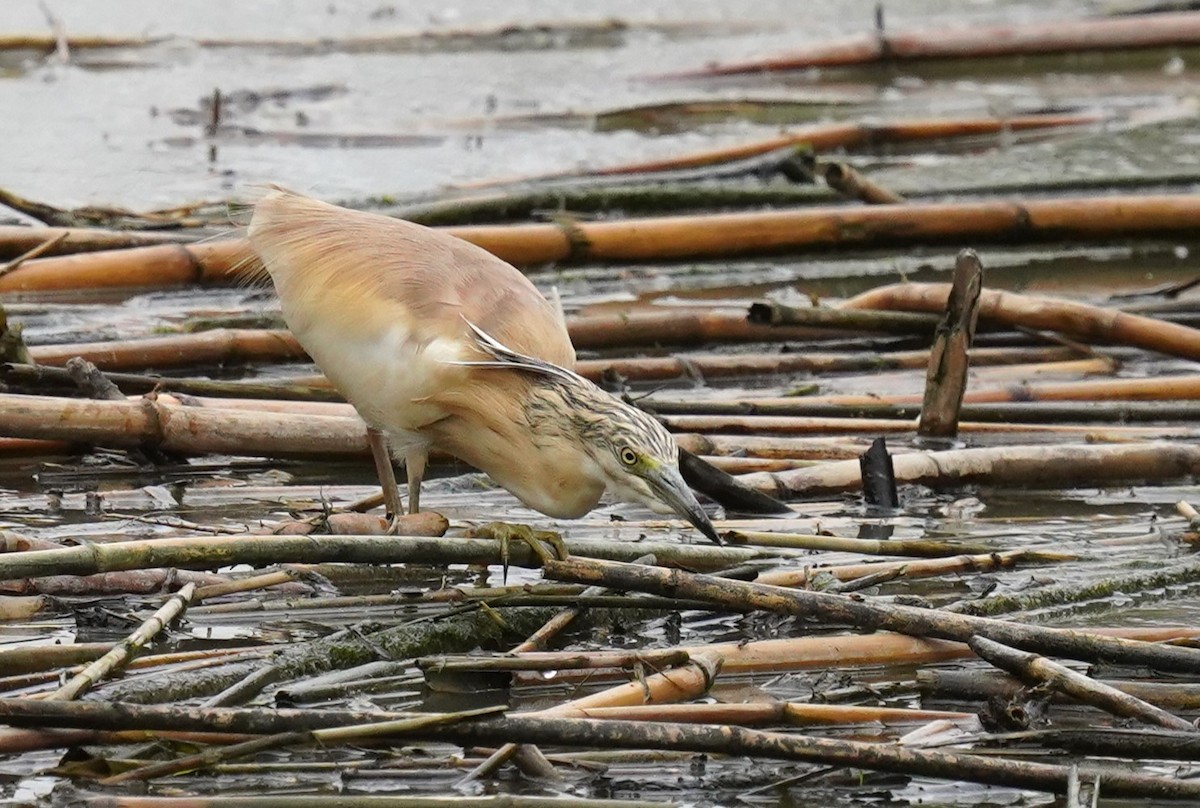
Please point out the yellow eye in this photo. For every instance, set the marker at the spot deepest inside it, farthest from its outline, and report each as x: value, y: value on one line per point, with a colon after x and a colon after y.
x: 628, y: 456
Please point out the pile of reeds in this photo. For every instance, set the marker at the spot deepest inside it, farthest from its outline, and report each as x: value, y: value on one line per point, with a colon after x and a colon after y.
x: 238, y: 612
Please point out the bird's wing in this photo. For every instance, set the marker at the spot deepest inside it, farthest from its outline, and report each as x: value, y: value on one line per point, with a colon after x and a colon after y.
x: 505, y: 358
x: 372, y: 267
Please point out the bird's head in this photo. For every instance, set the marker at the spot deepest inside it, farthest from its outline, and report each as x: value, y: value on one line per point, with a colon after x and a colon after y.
x: 633, y: 453
x: 640, y: 463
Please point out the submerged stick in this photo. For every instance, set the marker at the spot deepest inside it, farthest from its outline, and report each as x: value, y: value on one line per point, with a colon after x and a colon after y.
x: 1037, y: 669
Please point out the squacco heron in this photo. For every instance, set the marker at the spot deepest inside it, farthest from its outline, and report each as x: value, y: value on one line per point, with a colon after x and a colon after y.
x: 438, y: 344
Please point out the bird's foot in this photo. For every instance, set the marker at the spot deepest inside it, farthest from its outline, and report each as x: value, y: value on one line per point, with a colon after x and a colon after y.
x: 506, y: 532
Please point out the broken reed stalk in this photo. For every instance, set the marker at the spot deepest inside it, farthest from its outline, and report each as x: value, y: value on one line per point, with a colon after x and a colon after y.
x: 976, y: 685
x: 712, y: 739
x: 872, y: 616
x: 949, y: 358
x: 127, y: 648
x: 894, y: 322
x: 677, y: 238
x: 849, y: 182
x: 1036, y: 669
x: 980, y: 42
x: 678, y: 684
x: 1065, y: 465
x: 1078, y: 320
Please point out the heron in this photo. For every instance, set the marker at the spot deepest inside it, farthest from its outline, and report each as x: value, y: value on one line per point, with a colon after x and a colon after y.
x: 440, y: 345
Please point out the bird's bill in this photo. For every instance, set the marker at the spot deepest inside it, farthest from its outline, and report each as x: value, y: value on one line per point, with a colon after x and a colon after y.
x: 675, y: 494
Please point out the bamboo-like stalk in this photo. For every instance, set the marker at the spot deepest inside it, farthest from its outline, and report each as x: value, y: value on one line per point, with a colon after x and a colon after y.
x: 884, y: 322
x: 16, y: 240
x: 978, y: 42
x: 1075, y: 319
x: 920, y: 548
x: 325, y: 736
x: 132, y: 356
x: 127, y: 648
x: 1037, y: 670
x: 851, y: 135
x: 815, y: 448
x: 364, y: 801
x: 44, y: 378
x: 1065, y: 465
x: 175, y: 428
x: 797, y: 414
x: 714, y: 366
x: 231, y: 346
x: 159, y: 265
x: 656, y: 193
x: 923, y: 568
x: 615, y: 734
x: 202, y: 552
x: 881, y: 648
x: 221, y: 346
x: 678, y: 238
x: 761, y: 425
x: 142, y: 581
x: 530, y: 660
x: 799, y: 713
x: 1159, y: 388
x: 872, y: 616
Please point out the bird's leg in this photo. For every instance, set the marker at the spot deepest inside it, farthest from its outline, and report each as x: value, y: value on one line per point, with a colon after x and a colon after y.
x: 504, y: 532
x: 414, y: 466
x: 387, y: 476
